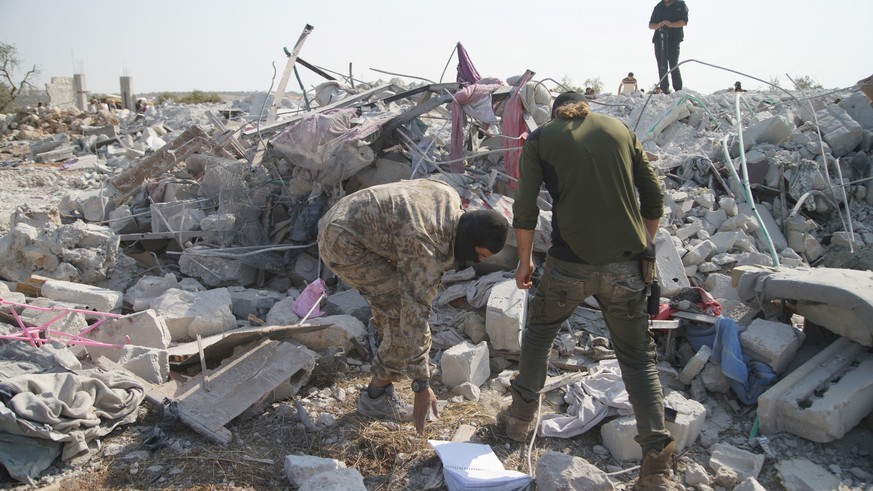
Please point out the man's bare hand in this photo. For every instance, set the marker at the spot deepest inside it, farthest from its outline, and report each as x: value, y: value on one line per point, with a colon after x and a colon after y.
x: 424, y: 400
x: 523, y: 273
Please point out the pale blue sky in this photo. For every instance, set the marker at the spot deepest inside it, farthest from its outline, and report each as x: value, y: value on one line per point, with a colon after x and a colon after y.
x: 220, y: 45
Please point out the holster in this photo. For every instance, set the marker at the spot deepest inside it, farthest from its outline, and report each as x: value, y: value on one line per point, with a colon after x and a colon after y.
x: 647, y: 264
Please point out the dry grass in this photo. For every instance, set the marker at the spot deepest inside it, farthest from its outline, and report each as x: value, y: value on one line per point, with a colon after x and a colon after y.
x: 390, y: 456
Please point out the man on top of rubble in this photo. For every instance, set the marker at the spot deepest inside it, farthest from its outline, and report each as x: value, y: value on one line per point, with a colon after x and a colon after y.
x: 392, y: 242
x: 593, y: 167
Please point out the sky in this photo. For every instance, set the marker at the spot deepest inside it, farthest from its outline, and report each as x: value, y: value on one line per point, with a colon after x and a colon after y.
x: 220, y: 46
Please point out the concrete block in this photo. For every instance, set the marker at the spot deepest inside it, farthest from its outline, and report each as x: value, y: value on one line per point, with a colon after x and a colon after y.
x: 739, y: 464
x: 773, y: 130
x: 84, y: 296
x: 252, y: 301
x: 144, y: 291
x: 216, y: 271
x: 802, y: 474
x: 337, y: 480
x: 699, y: 253
x: 724, y: 241
x: 300, y: 468
x: 695, y: 364
x: 618, y: 435
x: 465, y: 362
x: 714, y: 219
x: 150, y: 364
x: 859, y: 108
x: 824, y: 398
x: 282, y: 313
x: 671, y: 271
x: 145, y: 329
x: 774, y: 343
x: 342, y: 329
x: 188, y: 314
x: 505, y: 316
x: 348, y: 302
x: 55, y: 155
x: 773, y: 230
x: 557, y: 471
x: 839, y: 299
x: 839, y: 130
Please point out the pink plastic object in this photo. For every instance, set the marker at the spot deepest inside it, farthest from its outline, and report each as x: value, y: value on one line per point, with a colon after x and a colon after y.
x: 306, y: 305
x: 32, y: 334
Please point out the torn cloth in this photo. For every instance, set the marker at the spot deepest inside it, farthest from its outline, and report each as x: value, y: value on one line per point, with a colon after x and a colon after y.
x: 467, y: 73
x: 748, y: 379
x: 478, y: 95
x: 68, y: 408
x: 598, y: 395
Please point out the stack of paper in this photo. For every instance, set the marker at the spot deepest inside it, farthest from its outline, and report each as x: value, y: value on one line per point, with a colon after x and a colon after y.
x: 474, y: 466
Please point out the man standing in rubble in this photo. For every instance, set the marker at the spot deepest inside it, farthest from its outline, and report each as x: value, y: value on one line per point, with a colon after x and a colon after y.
x: 392, y: 242
x: 593, y: 167
x: 668, y: 19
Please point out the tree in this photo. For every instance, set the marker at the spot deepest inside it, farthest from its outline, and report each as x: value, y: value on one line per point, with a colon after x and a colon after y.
x: 806, y: 82
x: 9, y: 63
x: 567, y: 85
x: 595, y: 84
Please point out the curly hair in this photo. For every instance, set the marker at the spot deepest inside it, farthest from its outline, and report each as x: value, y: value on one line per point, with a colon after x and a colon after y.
x: 573, y: 110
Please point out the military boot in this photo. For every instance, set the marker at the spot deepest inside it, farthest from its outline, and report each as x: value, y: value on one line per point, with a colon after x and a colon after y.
x: 518, y: 416
x: 658, y: 471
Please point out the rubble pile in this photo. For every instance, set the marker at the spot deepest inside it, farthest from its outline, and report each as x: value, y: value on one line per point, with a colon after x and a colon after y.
x: 186, y: 260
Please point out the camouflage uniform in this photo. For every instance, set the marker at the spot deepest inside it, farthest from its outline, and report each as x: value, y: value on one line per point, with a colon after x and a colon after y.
x: 392, y: 243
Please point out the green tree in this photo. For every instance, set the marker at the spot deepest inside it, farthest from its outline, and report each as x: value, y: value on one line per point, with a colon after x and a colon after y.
x: 595, y: 84
x: 805, y: 82
x: 9, y: 63
x: 567, y: 84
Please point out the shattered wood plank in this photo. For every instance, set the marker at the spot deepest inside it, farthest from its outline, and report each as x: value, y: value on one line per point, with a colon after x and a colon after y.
x: 221, y: 345
x: 32, y: 286
x: 129, y: 181
x: 226, y: 139
x: 242, y: 381
x: 286, y: 75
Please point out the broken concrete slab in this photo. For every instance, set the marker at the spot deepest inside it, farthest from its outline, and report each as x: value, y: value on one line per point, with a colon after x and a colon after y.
x: 188, y: 314
x: 220, y: 346
x: 840, y: 300
x: 340, y: 331
x: 86, y: 297
x: 824, y: 398
x: 210, y: 400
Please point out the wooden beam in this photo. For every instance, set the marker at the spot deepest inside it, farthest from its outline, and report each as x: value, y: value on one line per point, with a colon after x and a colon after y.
x: 289, y: 67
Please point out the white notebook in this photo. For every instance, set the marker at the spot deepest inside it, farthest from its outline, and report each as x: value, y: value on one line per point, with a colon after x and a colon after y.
x: 468, y: 466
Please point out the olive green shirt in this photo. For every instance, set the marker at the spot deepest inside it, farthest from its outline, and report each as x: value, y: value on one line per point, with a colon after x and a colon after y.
x: 594, y: 169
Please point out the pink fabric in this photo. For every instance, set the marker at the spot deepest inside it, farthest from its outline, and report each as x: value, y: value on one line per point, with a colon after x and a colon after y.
x: 513, y: 126
x: 310, y: 297
x: 467, y: 73
x: 464, y: 96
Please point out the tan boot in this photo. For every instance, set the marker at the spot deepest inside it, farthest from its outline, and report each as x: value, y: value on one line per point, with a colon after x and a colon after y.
x: 518, y: 416
x: 658, y: 471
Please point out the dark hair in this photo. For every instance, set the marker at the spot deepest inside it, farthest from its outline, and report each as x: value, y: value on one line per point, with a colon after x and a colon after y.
x: 480, y: 228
